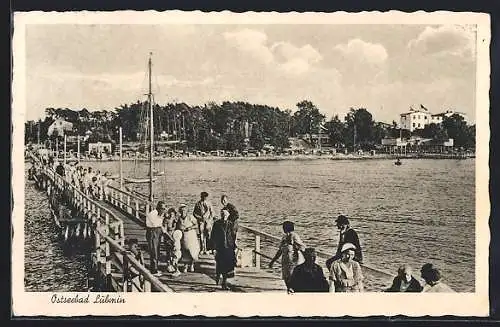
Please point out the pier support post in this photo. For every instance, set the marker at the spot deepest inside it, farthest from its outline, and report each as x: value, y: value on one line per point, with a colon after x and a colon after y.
x: 257, y: 251
x: 147, y: 286
x: 121, y: 160
x: 78, y: 149
x: 64, y: 149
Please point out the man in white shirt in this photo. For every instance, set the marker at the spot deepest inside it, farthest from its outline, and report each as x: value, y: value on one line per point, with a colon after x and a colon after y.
x: 154, y: 222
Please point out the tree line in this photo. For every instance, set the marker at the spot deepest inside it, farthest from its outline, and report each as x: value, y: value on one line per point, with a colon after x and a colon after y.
x: 239, y: 125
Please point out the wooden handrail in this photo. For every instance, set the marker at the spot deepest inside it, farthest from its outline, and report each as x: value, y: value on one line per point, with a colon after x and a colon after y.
x: 137, y: 265
x: 319, y: 253
x: 140, y: 201
x: 110, y: 241
x: 102, y: 208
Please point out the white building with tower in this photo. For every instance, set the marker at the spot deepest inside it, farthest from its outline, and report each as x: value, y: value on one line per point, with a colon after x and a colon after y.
x: 418, y: 118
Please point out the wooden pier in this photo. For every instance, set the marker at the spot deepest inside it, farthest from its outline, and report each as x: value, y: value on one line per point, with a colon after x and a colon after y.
x: 121, y: 215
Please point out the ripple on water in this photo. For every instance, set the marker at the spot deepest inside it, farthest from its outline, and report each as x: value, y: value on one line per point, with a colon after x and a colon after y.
x: 47, y: 268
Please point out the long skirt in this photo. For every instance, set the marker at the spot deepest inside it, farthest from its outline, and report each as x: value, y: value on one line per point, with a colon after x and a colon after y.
x: 190, y: 246
x: 225, y: 261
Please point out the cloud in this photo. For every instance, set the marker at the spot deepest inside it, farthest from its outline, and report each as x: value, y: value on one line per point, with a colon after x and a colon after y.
x: 295, y: 60
x: 444, y: 40
x: 286, y: 56
x: 289, y: 52
x: 374, y: 53
x: 250, y: 41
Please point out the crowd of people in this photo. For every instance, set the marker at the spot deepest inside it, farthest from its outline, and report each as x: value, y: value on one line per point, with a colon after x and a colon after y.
x: 185, y: 236
x: 301, y: 273
x: 90, y: 182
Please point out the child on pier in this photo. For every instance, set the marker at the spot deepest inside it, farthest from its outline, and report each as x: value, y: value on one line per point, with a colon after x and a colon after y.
x: 134, y: 276
x: 172, y: 245
x: 290, y: 250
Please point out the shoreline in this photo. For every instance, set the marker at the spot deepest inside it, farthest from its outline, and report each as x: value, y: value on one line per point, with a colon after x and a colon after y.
x: 289, y: 157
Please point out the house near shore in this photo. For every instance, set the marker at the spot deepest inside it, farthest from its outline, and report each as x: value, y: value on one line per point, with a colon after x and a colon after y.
x: 415, y: 143
x: 59, y: 126
x: 100, y: 147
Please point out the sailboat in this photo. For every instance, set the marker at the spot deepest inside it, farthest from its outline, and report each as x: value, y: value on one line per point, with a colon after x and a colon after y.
x: 152, y: 174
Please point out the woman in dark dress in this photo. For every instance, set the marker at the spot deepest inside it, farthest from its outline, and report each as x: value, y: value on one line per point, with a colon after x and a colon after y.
x: 222, y: 240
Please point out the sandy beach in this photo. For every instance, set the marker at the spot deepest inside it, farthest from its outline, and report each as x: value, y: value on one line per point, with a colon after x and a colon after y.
x: 292, y: 157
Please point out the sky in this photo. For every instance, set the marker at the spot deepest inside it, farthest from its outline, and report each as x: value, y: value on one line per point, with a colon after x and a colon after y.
x: 384, y: 68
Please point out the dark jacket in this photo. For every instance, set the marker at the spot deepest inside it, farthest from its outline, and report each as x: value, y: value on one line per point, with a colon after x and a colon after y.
x: 350, y: 236
x: 223, y: 235
x: 233, y: 213
x: 60, y: 170
x: 234, y: 216
x: 413, y: 287
x: 308, y: 279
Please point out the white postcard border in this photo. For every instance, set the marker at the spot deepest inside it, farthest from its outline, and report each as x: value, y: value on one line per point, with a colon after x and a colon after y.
x: 269, y: 304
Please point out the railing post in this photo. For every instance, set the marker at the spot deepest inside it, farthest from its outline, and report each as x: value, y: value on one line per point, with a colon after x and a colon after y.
x: 129, y: 209
x: 108, y: 262
x: 121, y: 200
x: 257, y: 251
x: 98, y: 240
x: 136, y: 208
x: 125, y: 273
x: 122, y: 234
x: 107, y: 257
x: 116, y: 231
x: 147, y: 286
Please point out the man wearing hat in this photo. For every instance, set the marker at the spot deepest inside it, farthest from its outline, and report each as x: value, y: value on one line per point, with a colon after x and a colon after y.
x: 154, y: 221
x: 347, y: 235
x: 203, y: 213
x: 308, y: 276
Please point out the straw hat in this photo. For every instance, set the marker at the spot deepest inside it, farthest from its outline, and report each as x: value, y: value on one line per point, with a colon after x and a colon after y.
x: 348, y: 246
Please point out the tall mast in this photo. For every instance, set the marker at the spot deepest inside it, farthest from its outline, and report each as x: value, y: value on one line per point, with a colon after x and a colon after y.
x: 151, y: 134
x: 38, y: 133
x: 354, y: 138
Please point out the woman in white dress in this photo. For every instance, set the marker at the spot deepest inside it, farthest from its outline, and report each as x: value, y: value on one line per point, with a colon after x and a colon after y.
x: 190, y: 243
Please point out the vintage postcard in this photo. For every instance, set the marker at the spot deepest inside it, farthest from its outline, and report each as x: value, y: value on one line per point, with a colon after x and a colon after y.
x: 250, y: 164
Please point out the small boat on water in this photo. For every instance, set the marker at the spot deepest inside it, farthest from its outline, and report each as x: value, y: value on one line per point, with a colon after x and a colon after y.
x: 398, y: 162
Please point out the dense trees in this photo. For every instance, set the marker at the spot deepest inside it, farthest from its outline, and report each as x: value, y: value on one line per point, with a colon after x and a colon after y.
x: 239, y: 125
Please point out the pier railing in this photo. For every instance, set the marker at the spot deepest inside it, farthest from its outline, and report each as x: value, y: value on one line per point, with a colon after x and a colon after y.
x: 271, y: 242
x: 109, y: 257
x: 128, y: 202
